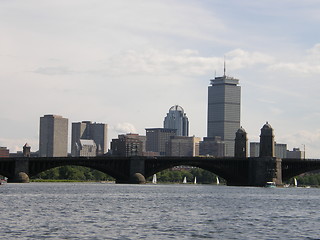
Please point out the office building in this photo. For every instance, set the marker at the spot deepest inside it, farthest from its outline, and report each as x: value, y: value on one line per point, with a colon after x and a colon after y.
x: 53, y: 140
x: 254, y: 149
x: 180, y: 146
x: 213, y: 147
x: 224, y: 110
x: 177, y: 119
x: 86, y: 148
x: 158, y: 140
x: 87, y: 130
x: 280, y: 150
x: 4, y: 152
x: 128, y: 145
x: 296, y: 153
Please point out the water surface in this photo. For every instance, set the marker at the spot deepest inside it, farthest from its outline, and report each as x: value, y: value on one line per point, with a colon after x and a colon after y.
x: 115, y: 211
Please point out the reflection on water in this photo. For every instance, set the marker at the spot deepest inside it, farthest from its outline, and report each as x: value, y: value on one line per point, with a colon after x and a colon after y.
x: 112, y: 211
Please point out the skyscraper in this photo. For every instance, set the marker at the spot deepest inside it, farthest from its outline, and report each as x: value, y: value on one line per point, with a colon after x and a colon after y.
x: 128, y: 145
x: 89, y: 131
x: 53, y: 140
x: 181, y: 146
x: 158, y: 140
x: 224, y: 110
x: 177, y: 119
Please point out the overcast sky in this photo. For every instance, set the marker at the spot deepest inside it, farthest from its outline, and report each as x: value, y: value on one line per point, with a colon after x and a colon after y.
x: 126, y: 62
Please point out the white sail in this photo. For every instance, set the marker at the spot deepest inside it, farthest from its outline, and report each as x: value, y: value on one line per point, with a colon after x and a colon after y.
x: 217, y: 179
x: 195, y: 180
x: 154, y: 179
x: 295, y: 182
x: 184, y: 180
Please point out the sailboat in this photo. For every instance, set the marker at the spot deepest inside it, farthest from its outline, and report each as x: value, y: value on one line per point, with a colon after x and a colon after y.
x: 184, y: 180
x: 195, y: 180
x: 154, y: 179
x: 295, y: 182
x: 217, y: 179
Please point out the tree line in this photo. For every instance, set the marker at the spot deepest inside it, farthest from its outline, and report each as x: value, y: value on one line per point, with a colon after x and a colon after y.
x: 87, y: 174
x: 77, y: 173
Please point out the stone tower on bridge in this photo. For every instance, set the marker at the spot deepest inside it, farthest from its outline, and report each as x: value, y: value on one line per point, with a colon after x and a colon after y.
x: 266, y: 141
x: 241, y: 144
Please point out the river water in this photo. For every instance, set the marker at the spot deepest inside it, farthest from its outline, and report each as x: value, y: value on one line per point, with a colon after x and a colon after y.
x: 177, y: 211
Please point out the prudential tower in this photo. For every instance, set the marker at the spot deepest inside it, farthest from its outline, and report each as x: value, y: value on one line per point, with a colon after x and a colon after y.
x: 224, y: 96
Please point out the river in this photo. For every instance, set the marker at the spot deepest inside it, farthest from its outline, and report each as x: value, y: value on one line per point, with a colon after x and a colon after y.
x: 173, y: 211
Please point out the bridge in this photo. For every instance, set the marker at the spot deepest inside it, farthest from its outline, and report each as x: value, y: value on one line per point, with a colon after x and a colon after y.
x: 236, y: 171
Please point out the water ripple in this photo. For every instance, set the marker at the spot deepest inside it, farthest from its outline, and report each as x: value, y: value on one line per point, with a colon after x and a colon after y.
x: 110, y: 211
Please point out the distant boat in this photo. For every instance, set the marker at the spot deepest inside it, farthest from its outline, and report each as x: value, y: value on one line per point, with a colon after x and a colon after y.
x: 154, y: 179
x: 270, y: 184
x: 217, y: 180
x: 295, y: 182
x: 195, y: 180
x: 184, y: 180
x: 3, y: 181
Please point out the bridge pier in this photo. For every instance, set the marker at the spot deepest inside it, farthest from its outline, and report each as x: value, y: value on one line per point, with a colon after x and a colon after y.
x: 264, y: 169
x: 137, y: 170
x: 21, y: 171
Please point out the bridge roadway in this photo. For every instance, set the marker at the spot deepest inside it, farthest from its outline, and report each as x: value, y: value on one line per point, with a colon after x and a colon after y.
x: 236, y: 171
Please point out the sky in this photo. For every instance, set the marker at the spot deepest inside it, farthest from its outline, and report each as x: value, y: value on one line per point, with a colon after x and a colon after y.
x: 125, y: 63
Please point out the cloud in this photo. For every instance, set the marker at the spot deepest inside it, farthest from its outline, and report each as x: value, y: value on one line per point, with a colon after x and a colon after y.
x: 308, y: 64
x: 239, y: 58
x: 123, y: 128
x: 186, y: 62
x: 53, y: 70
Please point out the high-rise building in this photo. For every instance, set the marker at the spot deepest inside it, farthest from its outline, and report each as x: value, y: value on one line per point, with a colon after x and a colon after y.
x: 224, y: 110
x: 53, y: 136
x: 212, y: 147
x: 89, y: 131
x: 128, y: 145
x: 86, y: 148
x: 280, y: 150
x: 158, y: 140
x: 177, y: 119
x: 181, y: 146
x: 4, y: 152
x: 296, y: 153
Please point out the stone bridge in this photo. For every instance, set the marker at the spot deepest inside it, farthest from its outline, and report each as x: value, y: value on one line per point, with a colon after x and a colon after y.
x: 236, y: 171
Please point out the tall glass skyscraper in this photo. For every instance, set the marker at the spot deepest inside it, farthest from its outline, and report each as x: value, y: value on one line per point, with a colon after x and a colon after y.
x: 177, y: 119
x: 224, y: 110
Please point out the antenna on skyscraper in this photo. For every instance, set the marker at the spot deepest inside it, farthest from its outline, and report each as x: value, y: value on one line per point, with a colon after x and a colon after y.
x: 224, y: 66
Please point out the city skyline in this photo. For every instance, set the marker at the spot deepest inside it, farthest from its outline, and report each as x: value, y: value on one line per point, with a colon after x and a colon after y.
x: 125, y: 63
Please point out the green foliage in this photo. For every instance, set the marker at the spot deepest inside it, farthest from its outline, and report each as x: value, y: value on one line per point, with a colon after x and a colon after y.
x: 73, y: 173
x: 77, y: 173
x: 310, y: 179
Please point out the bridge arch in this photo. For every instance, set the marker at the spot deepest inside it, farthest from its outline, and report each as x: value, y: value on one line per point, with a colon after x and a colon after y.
x: 227, y: 169
x: 115, y: 170
x: 73, y: 172
x: 294, y: 167
x: 177, y: 174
